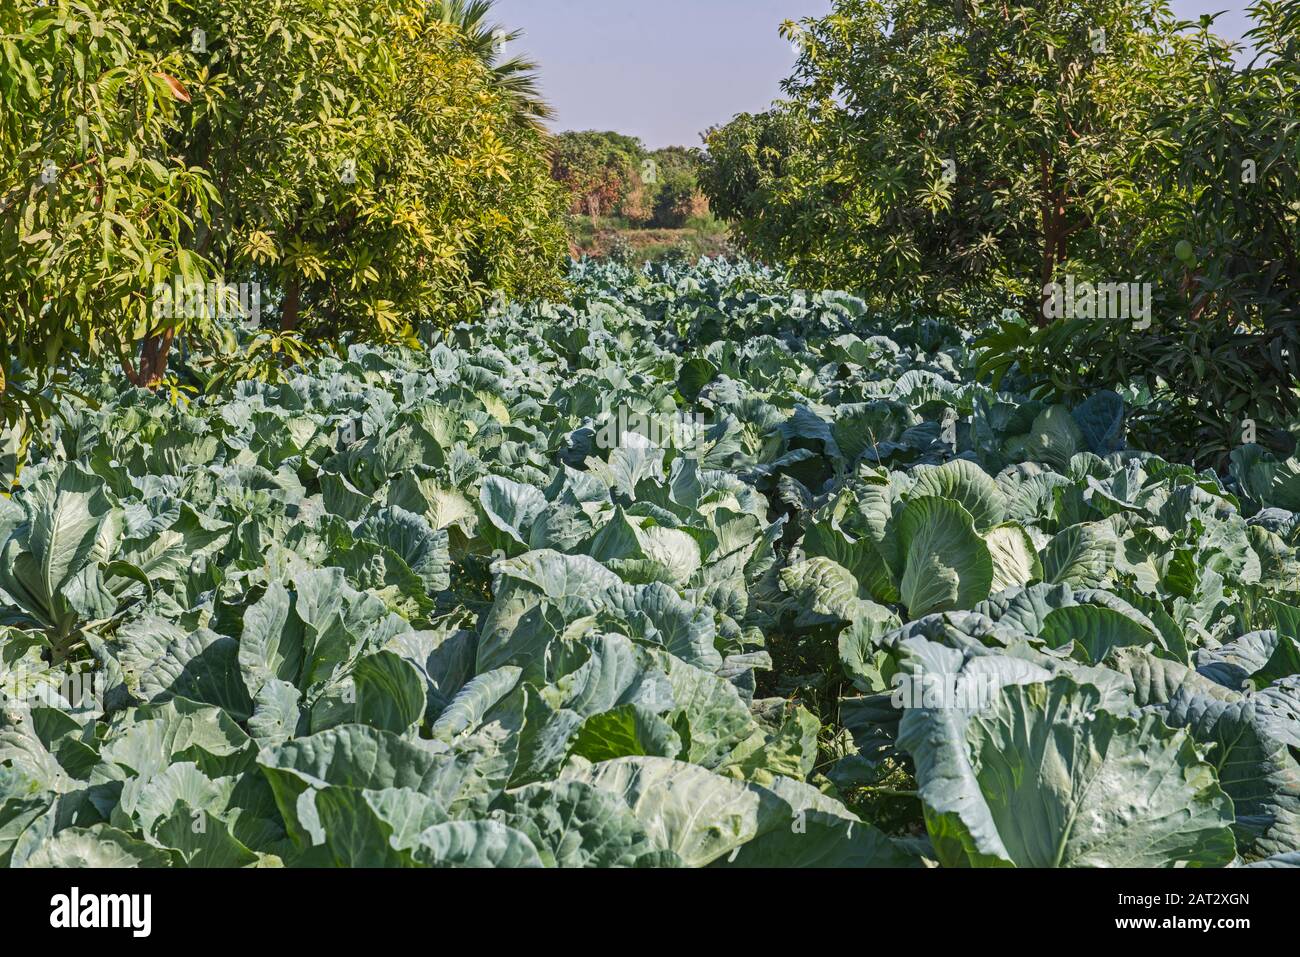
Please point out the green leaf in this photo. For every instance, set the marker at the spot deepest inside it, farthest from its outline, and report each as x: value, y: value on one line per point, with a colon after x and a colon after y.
x: 946, y: 564
x: 474, y: 844
x: 1015, y: 560
x: 1048, y: 778
x: 575, y: 825
x: 1096, y: 630
x: 967, y: 484
x: 623, y: 731
x: 390, y: 692
x: 511, y: 507
x: 474, y: 700
x: 1081, y: 556
x: 97, y: 846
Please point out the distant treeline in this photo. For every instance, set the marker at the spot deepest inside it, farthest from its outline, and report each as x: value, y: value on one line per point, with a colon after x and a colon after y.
x: 609, y: 174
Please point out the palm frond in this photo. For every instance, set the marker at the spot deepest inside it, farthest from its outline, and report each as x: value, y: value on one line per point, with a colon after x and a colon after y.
x: 517, y: 77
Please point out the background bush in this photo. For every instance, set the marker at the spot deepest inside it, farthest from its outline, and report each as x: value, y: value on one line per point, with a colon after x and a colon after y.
x: 959, y: 157
x: 609, y: 174
x: 362, y: 161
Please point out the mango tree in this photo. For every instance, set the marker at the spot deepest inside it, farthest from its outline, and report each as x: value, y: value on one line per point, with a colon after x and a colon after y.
x: 934, y: 151
x: 96, y: 207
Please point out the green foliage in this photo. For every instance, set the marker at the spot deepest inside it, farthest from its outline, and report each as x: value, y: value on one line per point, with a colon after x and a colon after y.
x: 599, y: 170
x: 964, y: 157
x: 752, y: 177
x: 613, y: 174
x: 372, y: 174
x: 266, y: 356
x: 516, y: 77
x: 516, y: 599
x: 95, y: 205
x: 363, y: 164
x: 631, y: 244
x: 1220, y: 357
x: 1231, y: 344
x: 932, y: 150
x: 675, y: 199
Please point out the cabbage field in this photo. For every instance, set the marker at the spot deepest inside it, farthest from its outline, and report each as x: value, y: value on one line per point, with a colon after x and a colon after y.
x: 699, y: 570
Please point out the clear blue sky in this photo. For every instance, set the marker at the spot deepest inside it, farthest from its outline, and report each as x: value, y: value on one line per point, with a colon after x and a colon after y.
x: 666, y: 70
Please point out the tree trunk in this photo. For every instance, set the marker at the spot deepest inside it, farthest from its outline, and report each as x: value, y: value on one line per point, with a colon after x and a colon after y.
x: 1053, y: 216
x: 154, y: 352
x: 1049, y: 263
x: 1062, y: 233
x: 292, y: 302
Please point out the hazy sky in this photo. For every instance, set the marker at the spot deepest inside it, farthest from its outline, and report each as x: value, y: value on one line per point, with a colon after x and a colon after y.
x: 666, y: 70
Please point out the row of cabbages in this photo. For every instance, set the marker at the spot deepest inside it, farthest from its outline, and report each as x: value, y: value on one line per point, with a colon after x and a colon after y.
x: 515, y: 600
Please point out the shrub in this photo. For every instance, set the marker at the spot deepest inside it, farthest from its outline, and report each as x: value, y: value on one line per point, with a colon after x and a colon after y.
x: 360, y: 162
